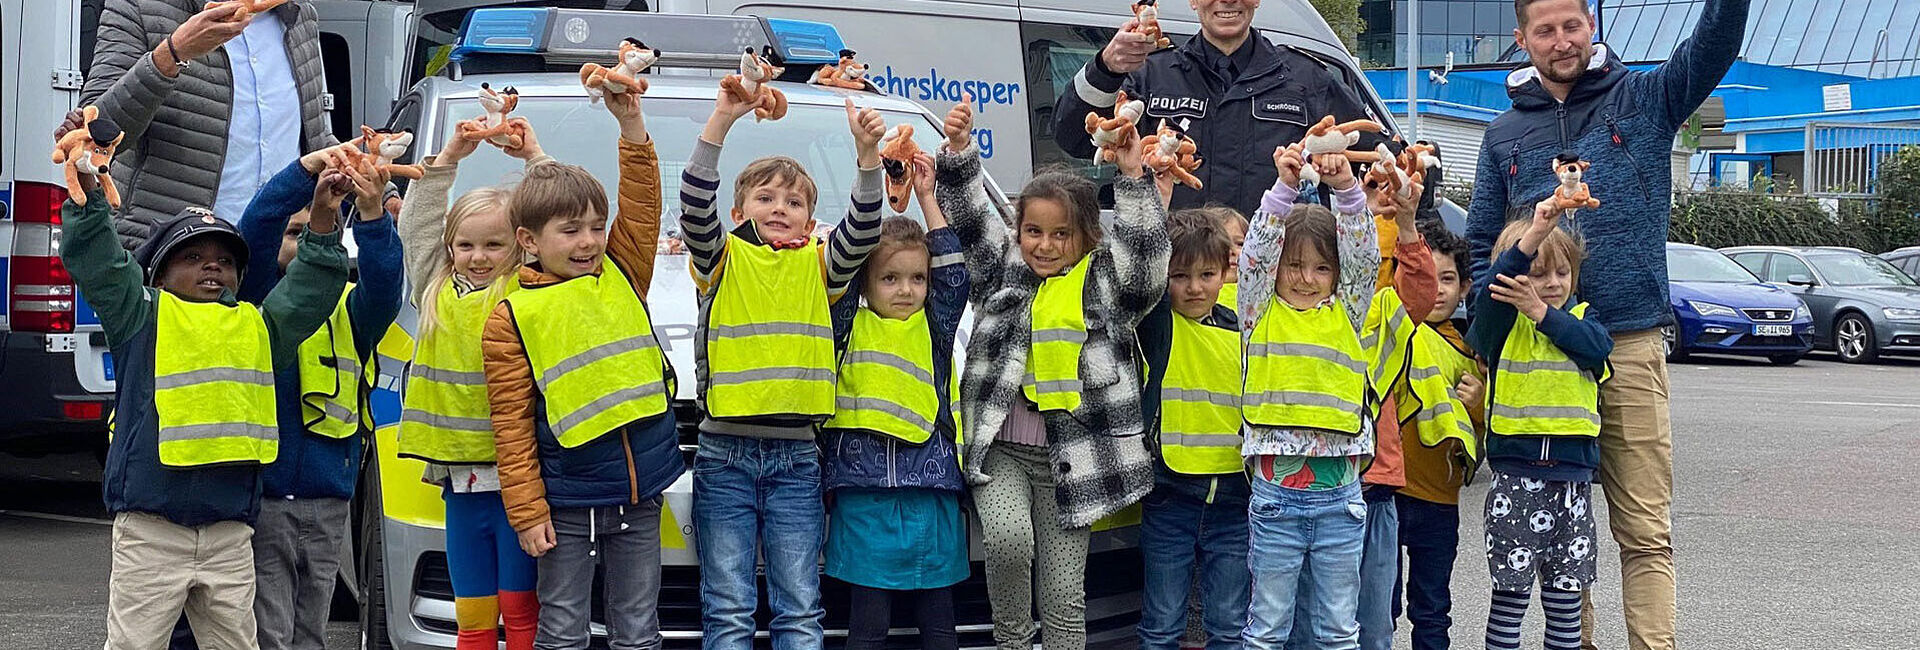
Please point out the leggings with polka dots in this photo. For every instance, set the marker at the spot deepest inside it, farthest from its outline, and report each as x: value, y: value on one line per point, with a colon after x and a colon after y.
x: 1017, y: 515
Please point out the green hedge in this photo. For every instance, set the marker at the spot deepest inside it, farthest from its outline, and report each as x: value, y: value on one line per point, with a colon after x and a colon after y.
x: 1738, y: 217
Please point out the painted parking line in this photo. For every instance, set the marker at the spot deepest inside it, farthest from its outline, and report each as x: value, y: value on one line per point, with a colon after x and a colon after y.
x: 53, y: 517
x: 1882, y: 404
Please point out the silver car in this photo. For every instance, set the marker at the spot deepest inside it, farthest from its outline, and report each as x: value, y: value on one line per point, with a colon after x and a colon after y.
x: 1862, y: 305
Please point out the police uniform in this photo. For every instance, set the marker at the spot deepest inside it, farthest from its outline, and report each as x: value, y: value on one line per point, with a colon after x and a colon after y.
x: 1238, y: 108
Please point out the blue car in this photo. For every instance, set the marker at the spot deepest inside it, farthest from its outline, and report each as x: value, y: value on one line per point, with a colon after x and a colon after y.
x: 1720, y: 308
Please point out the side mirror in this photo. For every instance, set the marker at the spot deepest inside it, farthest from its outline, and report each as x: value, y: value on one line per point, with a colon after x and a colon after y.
x: 1800, y: 280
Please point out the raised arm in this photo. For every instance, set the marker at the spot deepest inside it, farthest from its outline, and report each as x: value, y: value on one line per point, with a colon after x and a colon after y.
x: 855, y: 237
x: 1095, y: 87
x: 1138, y: 246
x: 305, y: 298
x: 1260, y: 255
x: 133, y: 73
x: 103, y: 271
x: 947, y: 283
x: 264, y: 225
x: 962, y: 195
x: 636, y: 231
x: 700, y: 227
x: 1682, y: 84
x: 1358, y: 239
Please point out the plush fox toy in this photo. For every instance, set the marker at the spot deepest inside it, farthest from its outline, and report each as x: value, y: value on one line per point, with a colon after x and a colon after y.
x: 1172, y: 152
x: 1109, y: 134
x: 897, y: 150
x: 384, y: 146
x: 89, y: 150
x: 624, y: 76
x: 493, y: 126
x: 1326, y: 137
x: 750, y: 85
x: 1146, y: 16
x: 1572, y: 193
x: 845, y: 74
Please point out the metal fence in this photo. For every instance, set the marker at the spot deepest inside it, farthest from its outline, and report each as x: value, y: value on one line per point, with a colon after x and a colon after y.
x: 1843, y: 160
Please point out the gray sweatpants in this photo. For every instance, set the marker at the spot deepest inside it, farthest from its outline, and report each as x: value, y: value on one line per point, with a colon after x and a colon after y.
x: 297, y: 546
x: 1024, y: 541
x: 624, y: 541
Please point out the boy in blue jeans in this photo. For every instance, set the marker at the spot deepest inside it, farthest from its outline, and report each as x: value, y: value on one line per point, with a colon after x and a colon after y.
x: 766, y: 367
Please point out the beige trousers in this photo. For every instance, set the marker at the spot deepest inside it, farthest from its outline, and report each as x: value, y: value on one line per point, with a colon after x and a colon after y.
x: 1636, y: 470
x: 160, y: 568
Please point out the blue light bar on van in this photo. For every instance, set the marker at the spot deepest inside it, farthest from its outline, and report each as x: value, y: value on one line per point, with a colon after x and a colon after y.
x: 685, y: 40
x: 805, y: 41
x: 502, y: 31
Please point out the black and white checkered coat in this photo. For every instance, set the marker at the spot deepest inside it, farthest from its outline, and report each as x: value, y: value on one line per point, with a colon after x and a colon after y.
x: 1099, y: 452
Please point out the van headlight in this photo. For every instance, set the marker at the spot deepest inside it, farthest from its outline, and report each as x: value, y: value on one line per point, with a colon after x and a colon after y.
x: 1710, y: 309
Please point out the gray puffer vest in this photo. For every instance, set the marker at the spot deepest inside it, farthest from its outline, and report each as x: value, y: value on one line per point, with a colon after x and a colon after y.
x: 177, y: 127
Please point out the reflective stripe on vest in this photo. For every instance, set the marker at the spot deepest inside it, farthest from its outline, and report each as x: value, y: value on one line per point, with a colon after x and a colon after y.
x: 1435, y: 412
x: 1538, y: 391
x: 1387, y: 338
x: 445, y: 416
x: 1305, y: 369
x: 769, y: 335
x: 1200, y: 400
x: 333, y: 382
x: 1052, y: 380
x: 595, y: 360
x: 886, y: 378
x: 213, y: 384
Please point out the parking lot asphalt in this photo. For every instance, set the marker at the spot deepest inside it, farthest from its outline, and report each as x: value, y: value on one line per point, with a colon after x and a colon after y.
x: 1795, y: 523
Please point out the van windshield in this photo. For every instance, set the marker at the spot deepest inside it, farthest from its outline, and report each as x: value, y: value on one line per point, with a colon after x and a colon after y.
x: 575, y: 132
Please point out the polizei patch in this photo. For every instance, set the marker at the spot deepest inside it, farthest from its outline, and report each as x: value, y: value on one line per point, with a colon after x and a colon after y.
x: 1160, y: 106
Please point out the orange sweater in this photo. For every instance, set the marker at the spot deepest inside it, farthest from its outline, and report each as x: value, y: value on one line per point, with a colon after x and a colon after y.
x: 631, y: 243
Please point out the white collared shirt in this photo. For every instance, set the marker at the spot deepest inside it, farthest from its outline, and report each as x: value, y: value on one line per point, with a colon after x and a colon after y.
x: 263, y: 132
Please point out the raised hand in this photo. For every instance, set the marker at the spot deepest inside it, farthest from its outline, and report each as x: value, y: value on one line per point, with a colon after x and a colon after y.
x: 457, y: 149
x: 1132, y: 158
x: 959, y: 125
x: 867, y: 128
x: 338, y: 156
x: 332, y: 188
x: 1128, y: 49
x: 923, y: 175
x: 529, y: 145
x: 1289, y: 162
x: 1517, y: 290
x: 625, y: 108
x: 1335, y: 170
x: 369, y: 190
x: 203, y: 33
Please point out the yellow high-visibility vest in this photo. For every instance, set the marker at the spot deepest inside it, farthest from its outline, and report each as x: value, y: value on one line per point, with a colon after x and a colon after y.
x: 594, y: 356
x: 1539, y: 391
x: 1200, y: 399
x: 769, y: 335
x: 886, y: 380
x: 1434, y: 412
x: 213, y: 384
x: 333, y: 382
x: 1306, y: 369
x: 1052, y: 380
x: 445, y: 416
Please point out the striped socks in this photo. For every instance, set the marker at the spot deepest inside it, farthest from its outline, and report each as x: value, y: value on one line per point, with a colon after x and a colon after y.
x: 1510, y: 607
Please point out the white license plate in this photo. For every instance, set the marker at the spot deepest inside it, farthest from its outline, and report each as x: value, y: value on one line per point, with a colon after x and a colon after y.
x: 1773, y: 330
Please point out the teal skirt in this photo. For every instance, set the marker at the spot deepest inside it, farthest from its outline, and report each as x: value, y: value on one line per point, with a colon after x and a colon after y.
x: 899, y: 539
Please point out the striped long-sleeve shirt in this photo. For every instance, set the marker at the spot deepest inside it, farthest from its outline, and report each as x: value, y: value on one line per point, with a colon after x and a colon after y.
x: 707, y: 241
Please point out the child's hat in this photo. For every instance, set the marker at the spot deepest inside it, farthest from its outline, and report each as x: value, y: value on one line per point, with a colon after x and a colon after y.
x: 190, y: 223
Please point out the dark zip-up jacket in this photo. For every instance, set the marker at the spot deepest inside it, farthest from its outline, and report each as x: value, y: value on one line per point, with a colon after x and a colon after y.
x: 313, y: 466
x: 134, y: 479
x: 1623, y: 122
x: 864, y: 459
x: 1156, y: 347
x: 1585, y: 341
x: 1236, y: 124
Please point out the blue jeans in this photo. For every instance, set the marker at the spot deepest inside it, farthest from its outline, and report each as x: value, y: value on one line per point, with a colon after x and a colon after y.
x: 762, y: 495
x: 1431, y: 533
x: 1176, y: 525
x: 1305, y: 546
x: 1379, y: 571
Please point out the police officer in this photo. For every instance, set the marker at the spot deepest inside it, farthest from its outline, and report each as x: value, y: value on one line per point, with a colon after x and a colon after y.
x: 1238, y: 96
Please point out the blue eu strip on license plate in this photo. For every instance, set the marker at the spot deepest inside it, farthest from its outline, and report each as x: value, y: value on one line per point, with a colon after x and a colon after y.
x: 106, y: 365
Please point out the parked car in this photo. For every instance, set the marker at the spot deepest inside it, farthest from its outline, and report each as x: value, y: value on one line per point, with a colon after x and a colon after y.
x: 1906, y: 259
x: 1862, y: 306
x: 1720, y: 308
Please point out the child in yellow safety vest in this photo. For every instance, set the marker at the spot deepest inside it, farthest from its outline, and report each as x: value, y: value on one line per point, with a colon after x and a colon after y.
x: 890, y: 455
x: 1051, y: 390
x: 765, y: 362
x: 1439, y: 410
x: 195, y: 408
x: 461, y: 260
x: 1543, y: 422
x: 323, y: 401
x: 1198, y: 507
x: 579, y: 387
x: 1322, y: 347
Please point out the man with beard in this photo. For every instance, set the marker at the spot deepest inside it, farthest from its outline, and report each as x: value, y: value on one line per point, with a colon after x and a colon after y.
x: 1578, y: 98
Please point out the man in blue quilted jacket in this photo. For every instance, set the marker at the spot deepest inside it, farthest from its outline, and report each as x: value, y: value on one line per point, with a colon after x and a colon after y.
x: 1578, y: 97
